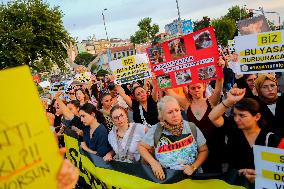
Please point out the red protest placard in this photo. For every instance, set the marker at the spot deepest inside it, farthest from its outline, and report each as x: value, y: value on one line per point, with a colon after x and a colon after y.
x: 189, y: 59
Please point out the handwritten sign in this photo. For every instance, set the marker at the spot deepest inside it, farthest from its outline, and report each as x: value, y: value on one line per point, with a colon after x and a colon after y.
x: 130, y: 69
x: 29, y: 153
x: 269, y: 167
x: 185, y: 60
x: 262, y: 52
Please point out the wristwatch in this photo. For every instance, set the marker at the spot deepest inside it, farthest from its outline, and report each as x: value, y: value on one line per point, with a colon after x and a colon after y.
x: 193, y: 167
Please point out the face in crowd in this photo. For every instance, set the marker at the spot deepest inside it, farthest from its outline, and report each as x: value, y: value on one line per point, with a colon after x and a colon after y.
x: 196, y: 90
x: 119, y: 117
x: 250, y: 80
x: 269, y: 89
x: 107, y: 101
x: 169, y: 110
x: 80, y: 95
x: 140, y: 94
x: 246, y: 113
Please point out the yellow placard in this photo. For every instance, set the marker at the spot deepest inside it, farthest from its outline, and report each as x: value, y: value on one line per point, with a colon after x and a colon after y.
x: 29, y: 152
x: 269, y: 38
x: 273, y: 175
x: 105, y: 178
x: 128, y: 61
x: 272, y: 157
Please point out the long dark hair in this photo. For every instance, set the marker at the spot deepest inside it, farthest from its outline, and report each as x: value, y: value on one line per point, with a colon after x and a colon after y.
x: 90, y: 108
x: 100, y: 102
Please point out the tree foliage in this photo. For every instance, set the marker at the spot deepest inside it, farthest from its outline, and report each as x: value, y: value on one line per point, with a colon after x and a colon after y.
x: 237, y: 13
x: 200, y: 24
x: 224, y: 29
x: 102, y: 72
x: 32, y: 33
x: 146, y: 32
x: 84, y: 59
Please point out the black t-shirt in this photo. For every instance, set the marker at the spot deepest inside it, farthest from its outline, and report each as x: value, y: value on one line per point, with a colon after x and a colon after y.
x: 76, y: 121
x: 240, y: 153
x: 151, y: 115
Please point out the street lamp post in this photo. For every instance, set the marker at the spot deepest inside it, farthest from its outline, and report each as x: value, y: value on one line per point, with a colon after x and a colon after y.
x: 104, y: 21
x: 178, y: 10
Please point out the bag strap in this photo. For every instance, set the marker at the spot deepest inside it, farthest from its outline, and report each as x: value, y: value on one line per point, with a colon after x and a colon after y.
x: 157, y: 134
x: 267, y: 137
x: 128, y: 142
x: 193, y: 129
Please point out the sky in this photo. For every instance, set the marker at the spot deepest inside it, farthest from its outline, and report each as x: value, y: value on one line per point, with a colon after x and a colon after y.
x: 83, y: 18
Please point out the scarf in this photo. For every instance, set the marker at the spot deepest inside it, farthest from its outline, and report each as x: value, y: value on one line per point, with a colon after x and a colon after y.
x: 175, y: 130
x: 258, y: 84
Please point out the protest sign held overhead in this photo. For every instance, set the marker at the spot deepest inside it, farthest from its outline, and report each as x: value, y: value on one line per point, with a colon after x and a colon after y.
x: 29, y: 153
x: 269, y: 167
x: 131, y: 68
x: 188, y: 59
x: 253, y: 25
x: 263, y: 52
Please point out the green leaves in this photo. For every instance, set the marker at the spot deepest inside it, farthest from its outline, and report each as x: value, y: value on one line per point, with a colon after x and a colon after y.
x: 146, y: 32
x: 30, y: 33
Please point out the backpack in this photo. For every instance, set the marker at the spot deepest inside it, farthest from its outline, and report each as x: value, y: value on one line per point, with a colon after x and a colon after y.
x: 159, y: 130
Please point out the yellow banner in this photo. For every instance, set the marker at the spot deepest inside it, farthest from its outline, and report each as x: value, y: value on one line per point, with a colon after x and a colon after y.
x: 273, y: 175
x: 106, y: 178
x: 29, y: 152
x: 269, y: 38
x: 272, y: 157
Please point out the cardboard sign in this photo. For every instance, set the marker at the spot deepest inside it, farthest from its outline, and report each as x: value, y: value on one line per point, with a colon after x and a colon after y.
x: 253, y: 25
x: 130, y: 69
x: 29, y: 152
x: 263, y: 52
x: 188, y: 59
x: 83, y: 77
x: 269, y: 167
x: 60, y: 86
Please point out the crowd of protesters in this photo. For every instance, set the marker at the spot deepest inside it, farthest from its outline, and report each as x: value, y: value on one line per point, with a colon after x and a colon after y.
x: 217, y: 123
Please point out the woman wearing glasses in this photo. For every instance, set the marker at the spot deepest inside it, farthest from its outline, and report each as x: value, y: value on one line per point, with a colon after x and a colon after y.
x: 124, y: 137
x: 272, y: 105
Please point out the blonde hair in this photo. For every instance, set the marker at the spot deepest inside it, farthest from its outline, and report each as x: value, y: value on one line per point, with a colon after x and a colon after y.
x: 161, y: 104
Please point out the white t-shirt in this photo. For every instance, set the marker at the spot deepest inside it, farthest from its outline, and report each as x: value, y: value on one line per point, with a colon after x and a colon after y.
x: 138, y: 134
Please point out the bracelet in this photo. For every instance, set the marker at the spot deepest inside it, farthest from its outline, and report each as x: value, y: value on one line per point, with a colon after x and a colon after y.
x: 225, y: 105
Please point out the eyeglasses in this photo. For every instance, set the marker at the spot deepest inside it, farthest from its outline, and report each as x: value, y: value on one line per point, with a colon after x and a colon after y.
x: 116, y: 118
x: 268, y: 87
x: 71, y: 93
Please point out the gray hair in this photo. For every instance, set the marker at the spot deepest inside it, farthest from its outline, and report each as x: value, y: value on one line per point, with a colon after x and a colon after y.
x: 161, y: 105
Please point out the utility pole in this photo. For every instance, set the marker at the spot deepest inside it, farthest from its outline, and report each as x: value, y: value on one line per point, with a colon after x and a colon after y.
x: 178, y: 10
x: 104, y: 21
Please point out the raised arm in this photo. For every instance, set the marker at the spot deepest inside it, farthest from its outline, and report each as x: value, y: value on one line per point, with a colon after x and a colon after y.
x: 183, y: 101
x: 68, y: 115
x: 155, y: 92
x: 214, y: 99
x: 217, y: 112
x: 125, y: 97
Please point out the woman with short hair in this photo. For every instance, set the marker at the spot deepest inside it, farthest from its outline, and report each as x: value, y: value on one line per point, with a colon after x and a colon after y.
x: 177, y: 144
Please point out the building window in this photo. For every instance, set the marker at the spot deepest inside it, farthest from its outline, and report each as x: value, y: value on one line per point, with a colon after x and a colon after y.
x: 114, y: 55
x: 123, y: 54
x: 127, y: 53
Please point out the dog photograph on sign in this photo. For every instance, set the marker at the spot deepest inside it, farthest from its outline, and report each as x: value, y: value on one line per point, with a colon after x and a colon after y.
x: 177, y: 48
x: 203, y: 40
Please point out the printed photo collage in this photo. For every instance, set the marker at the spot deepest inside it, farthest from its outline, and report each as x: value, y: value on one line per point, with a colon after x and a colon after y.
x: 199, y: 43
